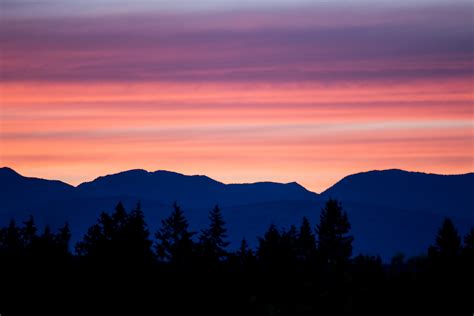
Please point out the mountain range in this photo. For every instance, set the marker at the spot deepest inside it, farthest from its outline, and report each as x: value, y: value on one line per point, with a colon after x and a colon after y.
x: 390, y: 210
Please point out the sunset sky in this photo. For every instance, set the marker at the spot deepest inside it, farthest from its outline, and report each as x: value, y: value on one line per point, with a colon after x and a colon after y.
x: 242, y: 91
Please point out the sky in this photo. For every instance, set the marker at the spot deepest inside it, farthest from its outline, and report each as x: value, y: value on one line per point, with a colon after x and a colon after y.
x: 241, y: 91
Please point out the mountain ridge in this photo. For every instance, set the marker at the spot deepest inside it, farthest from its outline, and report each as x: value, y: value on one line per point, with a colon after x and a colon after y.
x: 381, y: 204
x: 144, y: 171
x: 425, y: 191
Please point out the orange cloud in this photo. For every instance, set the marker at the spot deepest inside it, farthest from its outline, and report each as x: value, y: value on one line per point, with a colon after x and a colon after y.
x: 310, y: 133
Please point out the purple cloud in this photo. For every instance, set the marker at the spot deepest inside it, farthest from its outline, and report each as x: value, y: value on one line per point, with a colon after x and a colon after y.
x: 433, y: 42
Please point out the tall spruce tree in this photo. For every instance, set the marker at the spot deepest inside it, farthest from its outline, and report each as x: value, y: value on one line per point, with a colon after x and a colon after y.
x: 46, y: 248
x: 334, y: 241
x: 244, y: 254
x: 63, y: 238
x: 29, y: 231
x: 448, y: 242
x: 306, y: 242
x: 269, y: 251
x: 138, y: 236
x: 289, y: 246
x: 212, y: 243
x: 174, y: 240
x: 93, y: 241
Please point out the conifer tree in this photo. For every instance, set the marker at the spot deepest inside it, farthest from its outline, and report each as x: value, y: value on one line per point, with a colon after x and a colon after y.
x: 139, y: 236
x: 448, y: 242
x: 45, y: 247
x: 334, y: 241
x: 11, y: 242
x: 63, y: 238
x: 244, y: 254
x: 268, y: 251
x: 288, y: 246
x: 29, y: 231
x: 174, y: 240
x: 212, y: 243
x: 306, y: 242
x: 94, y: 242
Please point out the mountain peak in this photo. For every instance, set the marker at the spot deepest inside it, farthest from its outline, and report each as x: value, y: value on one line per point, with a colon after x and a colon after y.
x: 167, y: 172
x: 420, y: 191
x: 132, y: 171
x: 126, y: 173
x: 394, y: 171
x: 296, y: 185
x: 6, y: 171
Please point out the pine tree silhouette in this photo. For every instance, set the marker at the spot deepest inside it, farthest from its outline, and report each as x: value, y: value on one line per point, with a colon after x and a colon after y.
x: 244, y: 254
x: 448, y: 242
x: 269, y: 251
x: 306, y: 242
x: 212, y: 243
x: 335, y: 243
x: 63, y: 238
x: 29, y: 231
x: 119, y: 218
x: 45, y: 248
x: 445, y: 270
x: 288, y: 248
x: 11, y: 241
x: 138, y: 237
x: 174, y: 240
x: 94, y: 242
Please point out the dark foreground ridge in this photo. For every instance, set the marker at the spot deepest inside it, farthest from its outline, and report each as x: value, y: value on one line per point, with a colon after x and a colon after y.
x: 121, y: 267
x: 381, y: 204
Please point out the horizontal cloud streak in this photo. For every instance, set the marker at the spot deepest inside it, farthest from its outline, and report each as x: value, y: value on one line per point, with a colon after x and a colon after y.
x: 267, y: 132
x: 272, y: 46
x: 99, y: 7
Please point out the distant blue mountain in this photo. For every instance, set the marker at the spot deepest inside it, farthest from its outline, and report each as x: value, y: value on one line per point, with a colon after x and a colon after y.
x: 390, y: 211
x: 16, y: 190
x: 442, y: 194
x: 190, y: 191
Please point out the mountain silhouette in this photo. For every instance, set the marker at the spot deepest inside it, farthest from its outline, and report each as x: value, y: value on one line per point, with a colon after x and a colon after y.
x: 190, y: 191
x: 442, y: 194
x: 390, y: 210
x: 16, y: 189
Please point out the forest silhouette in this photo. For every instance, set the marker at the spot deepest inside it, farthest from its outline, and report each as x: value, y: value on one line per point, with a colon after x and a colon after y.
x: 120, y: 267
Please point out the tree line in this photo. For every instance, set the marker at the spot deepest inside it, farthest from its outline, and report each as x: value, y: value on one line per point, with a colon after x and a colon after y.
x: 301, y: 270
